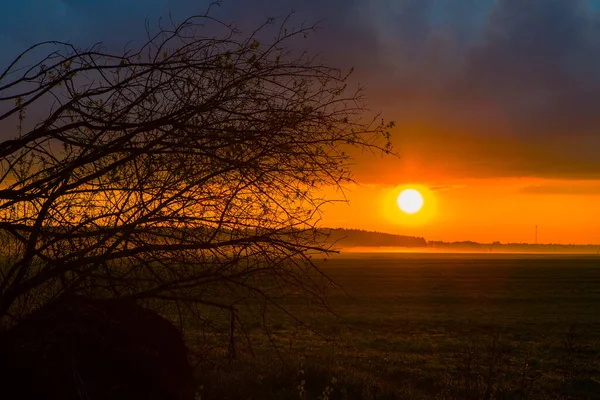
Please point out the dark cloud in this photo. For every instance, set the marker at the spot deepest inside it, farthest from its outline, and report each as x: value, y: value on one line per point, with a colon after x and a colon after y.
x: 443, y: 188
x: 479, y: 87
x: 539, y: 62
x: 522, y: 91
x: 564, y: 188
x: 85, y: 22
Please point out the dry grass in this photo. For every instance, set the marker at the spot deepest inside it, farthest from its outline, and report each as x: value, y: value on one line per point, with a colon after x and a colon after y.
x: 418, y: 327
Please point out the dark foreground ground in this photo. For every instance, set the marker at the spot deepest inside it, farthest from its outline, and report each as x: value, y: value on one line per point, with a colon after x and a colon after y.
x: 436, y: 327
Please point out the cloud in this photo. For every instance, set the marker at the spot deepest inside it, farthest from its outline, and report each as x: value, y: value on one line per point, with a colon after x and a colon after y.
x: 564, y: 188
x: 86, y: 22
x: 539, y: 62
x: 478, y: 87
x: 516, y: 96
x: 444, y: 188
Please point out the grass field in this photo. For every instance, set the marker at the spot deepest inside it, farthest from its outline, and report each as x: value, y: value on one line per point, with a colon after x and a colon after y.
x: 437, y: 326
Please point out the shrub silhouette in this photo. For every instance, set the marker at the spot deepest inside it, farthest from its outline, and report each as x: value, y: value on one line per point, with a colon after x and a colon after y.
x: 81, y: 348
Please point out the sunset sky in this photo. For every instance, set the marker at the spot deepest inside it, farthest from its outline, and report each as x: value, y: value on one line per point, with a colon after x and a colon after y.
x: 496, y: 102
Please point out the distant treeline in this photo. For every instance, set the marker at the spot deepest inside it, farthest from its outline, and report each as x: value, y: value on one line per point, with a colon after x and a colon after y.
x: 345, y: 238
x: 359, y: 238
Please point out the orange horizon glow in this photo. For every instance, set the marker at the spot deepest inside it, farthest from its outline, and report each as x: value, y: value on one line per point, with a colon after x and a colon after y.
x: 481, y: 210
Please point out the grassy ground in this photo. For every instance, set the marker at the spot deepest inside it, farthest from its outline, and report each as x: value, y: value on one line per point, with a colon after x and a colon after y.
x: 435, y: 326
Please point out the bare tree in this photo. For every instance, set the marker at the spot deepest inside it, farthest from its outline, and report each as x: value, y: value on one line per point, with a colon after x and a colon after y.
x: 185, y: 170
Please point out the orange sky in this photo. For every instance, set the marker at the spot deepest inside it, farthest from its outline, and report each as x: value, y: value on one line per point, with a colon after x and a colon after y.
x: 483, y: 210
x: 469, y: 193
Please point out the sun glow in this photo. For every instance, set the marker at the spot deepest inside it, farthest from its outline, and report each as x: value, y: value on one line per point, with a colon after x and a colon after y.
x: 410, y: 201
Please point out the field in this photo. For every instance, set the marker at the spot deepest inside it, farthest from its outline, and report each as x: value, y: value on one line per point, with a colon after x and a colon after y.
x: 445, y: 326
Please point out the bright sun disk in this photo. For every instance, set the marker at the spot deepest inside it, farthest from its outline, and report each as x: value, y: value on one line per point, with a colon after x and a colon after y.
x: 410, y: 201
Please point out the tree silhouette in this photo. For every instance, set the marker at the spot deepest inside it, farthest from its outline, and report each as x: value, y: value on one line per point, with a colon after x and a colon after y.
x: 185, y: 170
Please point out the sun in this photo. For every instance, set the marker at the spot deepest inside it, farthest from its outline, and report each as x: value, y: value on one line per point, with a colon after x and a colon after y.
x: 410, y: 201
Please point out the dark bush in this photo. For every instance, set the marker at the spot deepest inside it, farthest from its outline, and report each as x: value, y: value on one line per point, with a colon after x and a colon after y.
x: 80, y: 348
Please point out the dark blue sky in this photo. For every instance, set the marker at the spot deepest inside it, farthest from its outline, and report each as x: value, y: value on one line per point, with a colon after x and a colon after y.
x: 513, y: 86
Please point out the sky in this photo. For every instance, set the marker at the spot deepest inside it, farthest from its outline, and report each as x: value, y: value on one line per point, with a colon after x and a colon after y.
x: 495, y: 102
